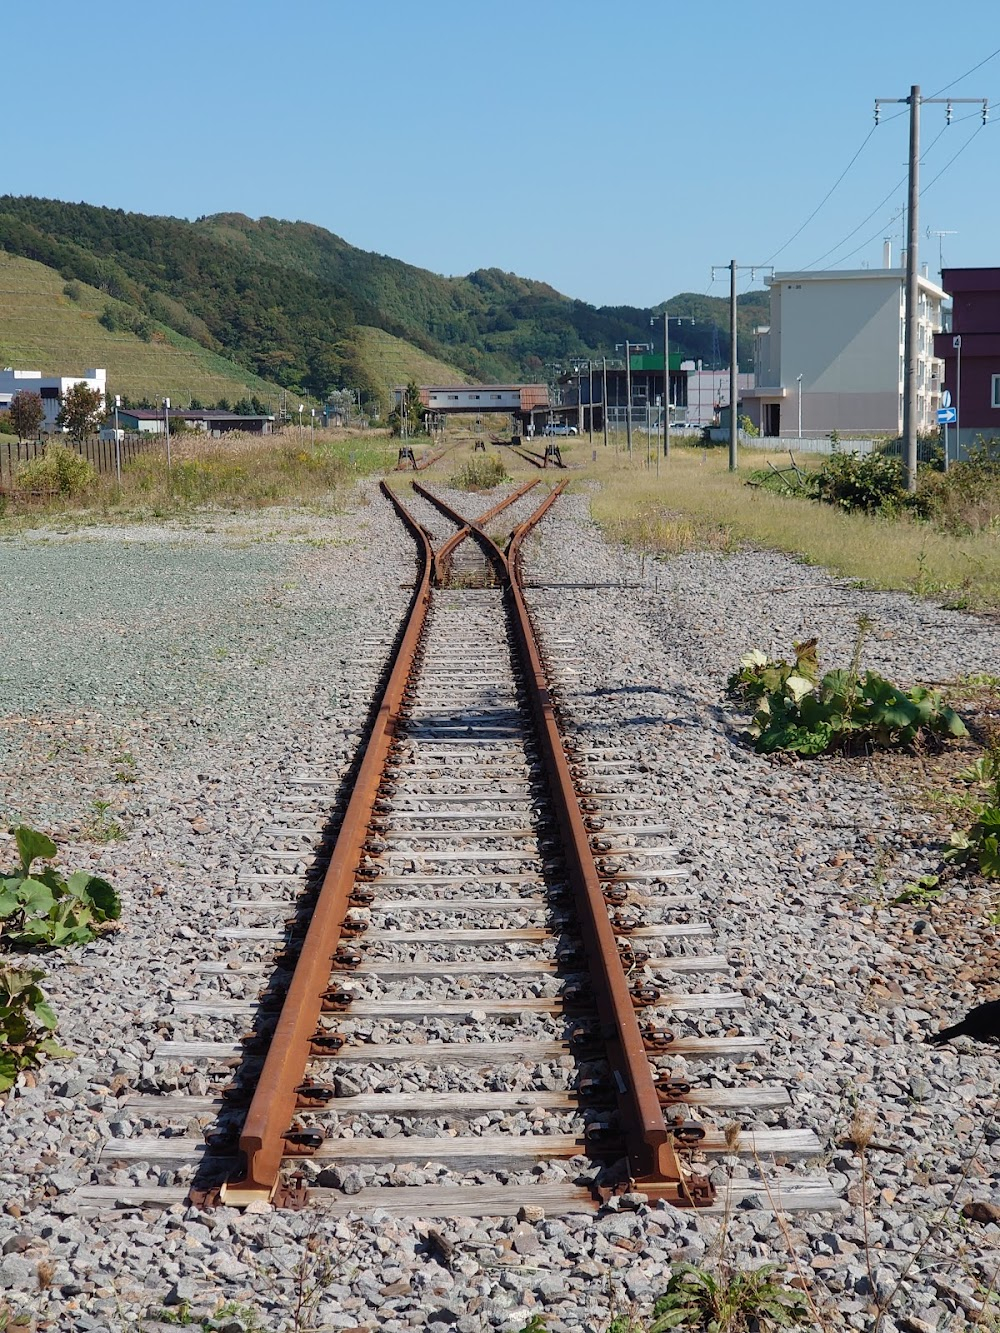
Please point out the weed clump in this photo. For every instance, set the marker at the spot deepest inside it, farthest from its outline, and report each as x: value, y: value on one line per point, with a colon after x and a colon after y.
x: 59, y: 470
x: 481, y: 474
x: 802, y: 712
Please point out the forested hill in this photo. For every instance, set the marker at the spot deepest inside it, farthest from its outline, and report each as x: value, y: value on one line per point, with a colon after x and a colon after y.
x: 290, y: 301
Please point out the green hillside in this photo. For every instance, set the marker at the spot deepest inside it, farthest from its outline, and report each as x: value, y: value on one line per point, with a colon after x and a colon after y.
x: 392, y: 361
x: 41, y: 328
x: 295, y: 305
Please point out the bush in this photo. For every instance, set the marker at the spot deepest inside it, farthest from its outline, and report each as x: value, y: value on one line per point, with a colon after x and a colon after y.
x: 873, y: 483
x: 966, y: 498
x: 481, y: 474
x: 73, y: 290
x: 58, y: 469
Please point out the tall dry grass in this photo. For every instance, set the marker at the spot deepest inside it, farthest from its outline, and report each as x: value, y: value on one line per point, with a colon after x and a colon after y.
x: 696, y: 502
x: 237, y: 471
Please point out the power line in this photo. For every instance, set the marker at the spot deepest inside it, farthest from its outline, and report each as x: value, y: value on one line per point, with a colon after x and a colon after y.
x: 899, y: 184
x: 992, y: 56
x: 978, y: 130
x: 829, y: 192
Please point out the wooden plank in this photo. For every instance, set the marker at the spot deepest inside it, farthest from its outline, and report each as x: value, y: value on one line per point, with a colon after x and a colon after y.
x: 805, y: 1194
x: 691, y: 1048
x: 728, y: 1000
x: 512, y: 967
x: 431, y: 1104
x: 482, y: 1152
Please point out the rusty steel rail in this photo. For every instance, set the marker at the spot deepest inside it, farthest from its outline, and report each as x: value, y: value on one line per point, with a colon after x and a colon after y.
x: 262, y: 1141
x: 654, y: 1163
x: 269, y: 1118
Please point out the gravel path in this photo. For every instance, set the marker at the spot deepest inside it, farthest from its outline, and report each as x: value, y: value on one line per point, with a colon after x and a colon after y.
x: 190, y: 686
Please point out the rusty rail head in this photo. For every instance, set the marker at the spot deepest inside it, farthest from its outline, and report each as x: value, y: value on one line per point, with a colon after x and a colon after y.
x: 443, y: 556
x: 654, y: 1161
x: 272, y: 1107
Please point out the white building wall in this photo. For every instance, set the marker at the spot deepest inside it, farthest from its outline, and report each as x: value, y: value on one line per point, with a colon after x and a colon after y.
x: 35, y: 381
x: 842, y: 331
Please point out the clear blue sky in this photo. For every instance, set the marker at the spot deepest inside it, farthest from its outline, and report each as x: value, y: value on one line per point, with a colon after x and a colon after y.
x: 614, y: 151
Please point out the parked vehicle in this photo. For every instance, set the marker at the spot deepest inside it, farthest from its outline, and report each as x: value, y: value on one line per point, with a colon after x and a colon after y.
x: 560, y: 428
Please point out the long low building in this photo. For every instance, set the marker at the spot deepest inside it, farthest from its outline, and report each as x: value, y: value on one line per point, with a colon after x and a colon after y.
x: 145, y: 421
x: 480, y: 398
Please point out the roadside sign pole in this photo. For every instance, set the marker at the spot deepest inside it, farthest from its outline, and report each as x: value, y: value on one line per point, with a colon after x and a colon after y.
x: 118, y: 447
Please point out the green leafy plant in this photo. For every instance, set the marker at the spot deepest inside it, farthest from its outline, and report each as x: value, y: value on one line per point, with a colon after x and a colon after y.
x: 102, y: 828
x: 805, y: 714
x: 923, y: 890
x: 759, y: 675
x: 979, y: 845
x: 734, y: 1301
x: 27, y: 1022
x: 44, y: 910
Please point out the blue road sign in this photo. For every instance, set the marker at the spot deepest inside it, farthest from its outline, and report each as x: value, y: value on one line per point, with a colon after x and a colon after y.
x: 947, y: 416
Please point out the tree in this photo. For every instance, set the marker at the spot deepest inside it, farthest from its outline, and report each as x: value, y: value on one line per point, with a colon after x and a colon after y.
x: 82, y: 410
x: 26, y: 414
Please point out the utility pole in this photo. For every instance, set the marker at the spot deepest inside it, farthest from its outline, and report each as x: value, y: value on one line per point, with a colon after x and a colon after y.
x: 590, y: 400
x: 734, y: 383
x: 604, y: 397
x: 628, y: 399
x: 910, y: 342
x: 666, y: 384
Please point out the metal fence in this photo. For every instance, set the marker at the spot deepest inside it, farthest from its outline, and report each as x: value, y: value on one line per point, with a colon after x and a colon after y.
x: 100, y: 453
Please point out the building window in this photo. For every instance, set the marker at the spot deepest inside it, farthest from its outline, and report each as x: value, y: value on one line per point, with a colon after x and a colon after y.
x: 995, y: 398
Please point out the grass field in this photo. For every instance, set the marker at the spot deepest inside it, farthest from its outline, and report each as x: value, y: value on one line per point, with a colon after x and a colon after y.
x: 392, y: 361
x: 696, y: 501
x: 43, y: 329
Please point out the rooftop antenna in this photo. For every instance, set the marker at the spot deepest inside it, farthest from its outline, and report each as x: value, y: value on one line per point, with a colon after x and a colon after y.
x: 940, y: 235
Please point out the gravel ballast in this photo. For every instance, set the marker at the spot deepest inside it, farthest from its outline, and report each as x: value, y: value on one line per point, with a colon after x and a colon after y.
x: 173, y: 696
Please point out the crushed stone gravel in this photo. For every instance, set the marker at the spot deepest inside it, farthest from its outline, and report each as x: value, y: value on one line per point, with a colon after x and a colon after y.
x: 171, y: 694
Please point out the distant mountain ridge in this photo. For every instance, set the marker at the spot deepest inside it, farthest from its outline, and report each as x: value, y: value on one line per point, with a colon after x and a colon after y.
x: 289, y: 301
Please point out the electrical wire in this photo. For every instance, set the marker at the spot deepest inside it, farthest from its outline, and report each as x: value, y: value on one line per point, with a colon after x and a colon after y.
x: 992, y: 56
x: 899, y: 184
x: 829, y: 192
x: 901, y: 211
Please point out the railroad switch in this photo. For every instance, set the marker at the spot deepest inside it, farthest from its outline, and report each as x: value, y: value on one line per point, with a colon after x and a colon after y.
x: 299, y: 1142
x: 406, y: 455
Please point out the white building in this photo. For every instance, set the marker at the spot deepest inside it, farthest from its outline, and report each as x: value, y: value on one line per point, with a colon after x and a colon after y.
x: 50, y: 388
x: 835, y: 346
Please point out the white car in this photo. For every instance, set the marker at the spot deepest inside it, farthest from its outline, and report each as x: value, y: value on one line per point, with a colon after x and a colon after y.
x: 560, y: 428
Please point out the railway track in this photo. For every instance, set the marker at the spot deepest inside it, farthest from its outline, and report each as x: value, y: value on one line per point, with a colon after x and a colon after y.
x: 482, y: 998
